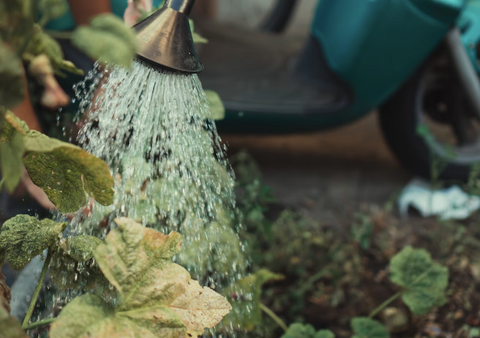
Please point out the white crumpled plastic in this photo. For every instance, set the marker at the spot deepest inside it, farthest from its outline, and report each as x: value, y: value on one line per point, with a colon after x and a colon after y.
x: 449, y: 203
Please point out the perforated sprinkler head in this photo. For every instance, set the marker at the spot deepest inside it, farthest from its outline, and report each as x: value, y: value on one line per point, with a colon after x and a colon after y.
x: 165, y: 39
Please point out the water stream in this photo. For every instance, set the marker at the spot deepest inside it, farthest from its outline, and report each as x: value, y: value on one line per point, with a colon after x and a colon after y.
x: 171, y: 173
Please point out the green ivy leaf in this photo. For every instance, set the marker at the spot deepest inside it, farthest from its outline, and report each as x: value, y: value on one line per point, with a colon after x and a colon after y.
x: 23, y: 237
x: 107, y: 39
x: 16, y: 22
x: 66, y: 172
x: 10, y: 326
x: 297, y: 330
x: 424, y: 281
x: 11, y: 154
x: 53, y: 9
x: 158, y: 296
x: 245, y: 298
x: 364, y: 327
x: 12, y: 86
x: 217, y: 109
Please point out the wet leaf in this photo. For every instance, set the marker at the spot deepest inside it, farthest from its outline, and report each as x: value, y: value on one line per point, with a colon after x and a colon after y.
x: 5, y: 294
x: 11, y: 75
x: 217, y: 109
x: 298, y: 330
x: 11, y: 155
x: 81, y: 248
x: 159, y: 299
x: 108, y: 40
x: 368, y: 328
x: 423, y: 281
x: 68, y: 273
x: 23, y: 237
x: 10, y: 327
x: 53, y: 8
x: 245, y: 298
x: 66, y: 172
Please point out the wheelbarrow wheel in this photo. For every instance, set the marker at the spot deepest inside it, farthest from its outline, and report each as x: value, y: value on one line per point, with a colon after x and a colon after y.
x: 430, y: 126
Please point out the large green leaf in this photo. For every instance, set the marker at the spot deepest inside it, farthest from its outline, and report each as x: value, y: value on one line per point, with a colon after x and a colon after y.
x: 364, y: 327
x: 11, y: 154
x: 23, y: 237
x: 107, y: 39
x: 66, y: 173
x: 42, y: 43
x: 423, y: 281
x: 9, y: 326
x: 158, y: 297
x: 298, y: 330
x: 245, y: 297
x: 12, y: 87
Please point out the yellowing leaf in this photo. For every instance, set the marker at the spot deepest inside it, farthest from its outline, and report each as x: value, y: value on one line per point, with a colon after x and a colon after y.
x: 66, y: 173
x: 11, y: 75
x: 24, y: 237
x: 107, y: 39
x: 158, y: 297
x: 368, y: 328
x: 424, y: 281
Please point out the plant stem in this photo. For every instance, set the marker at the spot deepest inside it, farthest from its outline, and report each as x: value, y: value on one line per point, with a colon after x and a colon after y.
x: 272, y: 315
x: 39, y: 323
x: 385, y: 304
x: 31, y: 307
x: 2, y: 182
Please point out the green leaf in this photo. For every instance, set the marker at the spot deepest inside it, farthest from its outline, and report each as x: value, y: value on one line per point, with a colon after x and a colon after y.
x: 368, y: 328
x: 81, y: 248
x: 42, y: 43
x: 197, y: 38
x: 424, y: 281
x: 12, y: 87
x: 217, y: 109
x: 245, y: 297
x: 11, y: 154
x: 23, y: 237
x: 66, y: 172
x: 73, y: 267
x: 107, y: 39
x: 53, y: 9
x: 297, y: 330
x: 68, y: 273
x: 10, y: 326
x: 159, y: 299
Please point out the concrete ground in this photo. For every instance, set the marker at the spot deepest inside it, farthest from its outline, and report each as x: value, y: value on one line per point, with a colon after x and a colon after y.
x: 328, y: 174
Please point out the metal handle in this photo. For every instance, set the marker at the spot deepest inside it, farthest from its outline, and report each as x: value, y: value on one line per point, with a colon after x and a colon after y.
x: 182, y: 6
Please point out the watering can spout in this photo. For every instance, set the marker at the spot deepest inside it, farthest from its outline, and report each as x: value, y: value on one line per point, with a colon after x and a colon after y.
x: 165, y: 39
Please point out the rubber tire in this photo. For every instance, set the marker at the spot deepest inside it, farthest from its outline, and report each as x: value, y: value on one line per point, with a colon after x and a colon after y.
x: 278, y: 19
x: 399, y: 122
